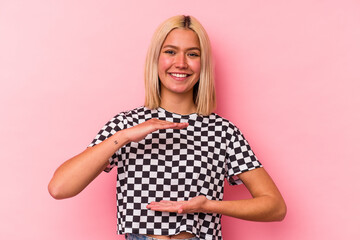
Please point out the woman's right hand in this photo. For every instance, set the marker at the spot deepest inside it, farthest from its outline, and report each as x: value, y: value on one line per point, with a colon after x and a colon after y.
x: 76, y: 173
x: 139, y: 132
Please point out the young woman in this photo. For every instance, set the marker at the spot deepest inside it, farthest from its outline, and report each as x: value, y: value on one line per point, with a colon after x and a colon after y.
x: 173, y: 154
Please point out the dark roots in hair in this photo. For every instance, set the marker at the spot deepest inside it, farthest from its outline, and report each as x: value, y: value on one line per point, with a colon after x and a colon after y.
x: 187, y: 21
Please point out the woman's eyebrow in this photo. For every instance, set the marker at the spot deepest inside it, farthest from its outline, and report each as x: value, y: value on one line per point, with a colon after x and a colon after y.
x: 175, y: 47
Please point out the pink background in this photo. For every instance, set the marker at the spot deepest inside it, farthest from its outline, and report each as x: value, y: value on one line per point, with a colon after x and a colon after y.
x: 287, y: 75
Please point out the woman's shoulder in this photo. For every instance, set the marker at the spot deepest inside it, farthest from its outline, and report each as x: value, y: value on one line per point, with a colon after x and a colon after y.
x: 135, y: 114
x: 135, y: 111
x: 228, y: 126
x: 220, y: 119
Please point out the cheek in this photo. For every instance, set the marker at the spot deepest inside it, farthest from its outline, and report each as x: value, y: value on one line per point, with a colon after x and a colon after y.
x: 163, y: 64
x: 196, y: 67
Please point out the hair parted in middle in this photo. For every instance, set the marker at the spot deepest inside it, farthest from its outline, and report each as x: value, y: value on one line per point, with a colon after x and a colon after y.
x: 204, y: 89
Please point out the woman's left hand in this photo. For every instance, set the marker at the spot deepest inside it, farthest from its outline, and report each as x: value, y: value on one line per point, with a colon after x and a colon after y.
x: 193, y: 205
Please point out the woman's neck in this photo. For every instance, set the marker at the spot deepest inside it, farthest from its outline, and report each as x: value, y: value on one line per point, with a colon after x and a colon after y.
x: 178, y: 103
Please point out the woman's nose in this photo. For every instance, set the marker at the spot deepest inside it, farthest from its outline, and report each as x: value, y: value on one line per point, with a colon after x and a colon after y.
x: 180, y: 61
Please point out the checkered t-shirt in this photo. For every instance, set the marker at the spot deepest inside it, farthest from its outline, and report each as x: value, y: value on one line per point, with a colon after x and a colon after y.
x: 177, y: 165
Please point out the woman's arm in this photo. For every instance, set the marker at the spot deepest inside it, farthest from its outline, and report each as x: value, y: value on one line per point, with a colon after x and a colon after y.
x: 267, y: 203
x: 76, y: 173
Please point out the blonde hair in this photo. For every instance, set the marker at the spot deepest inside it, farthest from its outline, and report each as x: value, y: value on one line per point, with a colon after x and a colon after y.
x: 204, y: 90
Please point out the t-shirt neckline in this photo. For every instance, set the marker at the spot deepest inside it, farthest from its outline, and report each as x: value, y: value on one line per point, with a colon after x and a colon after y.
x: 176, y: 114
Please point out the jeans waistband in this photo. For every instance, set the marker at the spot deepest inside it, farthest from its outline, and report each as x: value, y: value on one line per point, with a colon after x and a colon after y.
x: 132, y: 236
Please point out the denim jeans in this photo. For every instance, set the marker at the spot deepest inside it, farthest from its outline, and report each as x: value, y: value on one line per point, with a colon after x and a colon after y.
x: 132, y: 236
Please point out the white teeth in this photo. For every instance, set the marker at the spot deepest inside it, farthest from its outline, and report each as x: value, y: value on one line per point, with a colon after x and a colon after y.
x: 178, y: 74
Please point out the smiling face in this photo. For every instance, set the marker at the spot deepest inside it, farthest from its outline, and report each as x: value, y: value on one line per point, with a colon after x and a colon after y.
x: 179, y: 62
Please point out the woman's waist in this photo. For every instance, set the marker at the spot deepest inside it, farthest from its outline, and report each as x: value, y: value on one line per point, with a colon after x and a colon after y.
x: 181, y: 235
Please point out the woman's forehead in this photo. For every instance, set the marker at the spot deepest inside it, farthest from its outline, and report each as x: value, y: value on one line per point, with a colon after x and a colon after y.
x: 184, y: 38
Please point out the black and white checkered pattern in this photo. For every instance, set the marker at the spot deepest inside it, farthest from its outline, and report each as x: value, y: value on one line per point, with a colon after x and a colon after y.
x: 175, y: 164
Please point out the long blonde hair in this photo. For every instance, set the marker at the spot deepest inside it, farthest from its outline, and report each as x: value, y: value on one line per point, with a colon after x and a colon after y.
x: 204, y: 90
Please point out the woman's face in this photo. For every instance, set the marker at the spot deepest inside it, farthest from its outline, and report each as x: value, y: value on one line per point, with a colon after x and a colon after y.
x: 179, y: 62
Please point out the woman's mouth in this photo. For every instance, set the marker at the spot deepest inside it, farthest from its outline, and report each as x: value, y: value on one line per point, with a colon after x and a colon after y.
x: 179, y: 76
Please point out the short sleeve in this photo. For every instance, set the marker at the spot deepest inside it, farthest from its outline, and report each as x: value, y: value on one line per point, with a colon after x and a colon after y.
x: 110, y: 128
x: 239, y: 156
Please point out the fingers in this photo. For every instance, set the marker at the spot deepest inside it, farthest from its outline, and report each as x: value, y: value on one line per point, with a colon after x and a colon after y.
x: 190, y: 206
x: 164, y: 203
x: 165, y: 125
x: 140, y: 131
x: 167, y: 206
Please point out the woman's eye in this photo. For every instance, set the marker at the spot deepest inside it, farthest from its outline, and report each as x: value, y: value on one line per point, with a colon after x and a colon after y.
x: 170, y: 52
x: 193, y: 54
